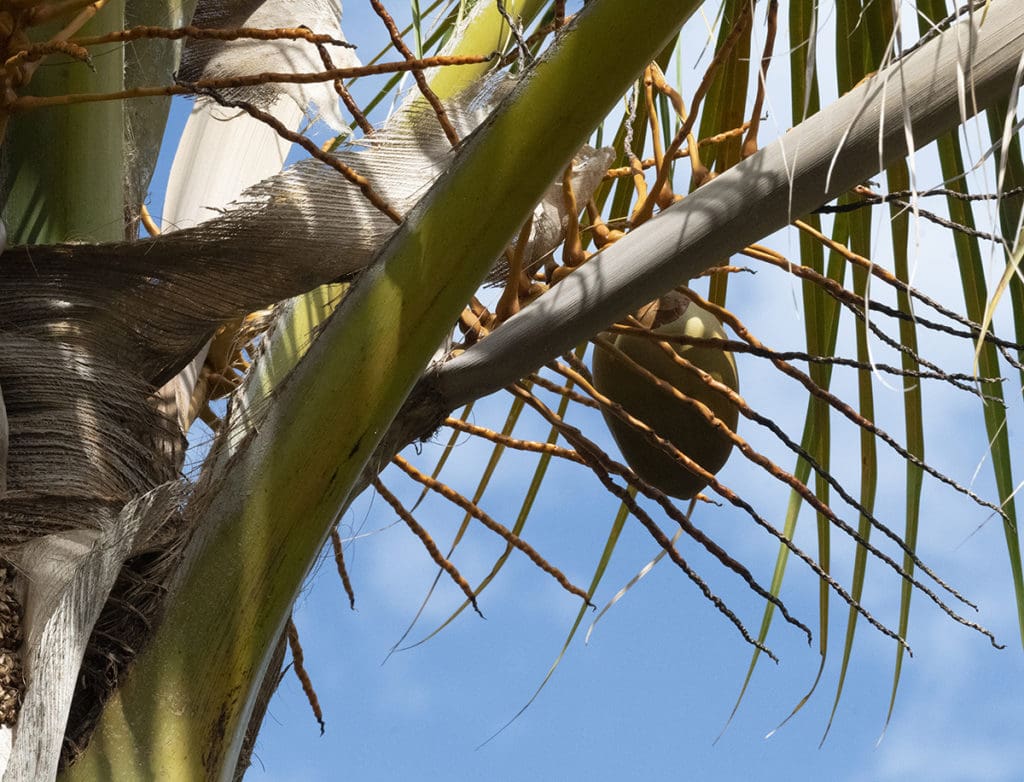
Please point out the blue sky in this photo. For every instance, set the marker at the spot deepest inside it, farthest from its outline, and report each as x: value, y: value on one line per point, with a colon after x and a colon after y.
x: 653, y: 689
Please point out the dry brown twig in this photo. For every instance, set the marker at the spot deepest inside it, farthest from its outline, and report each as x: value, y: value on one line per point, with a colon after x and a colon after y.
x: 530, y: 446
x: 339, y: 561
x: 298, y: 665
x: 343, y: 93
x: 645, y: 207
x: 421, y: 80
x: 750, y: 142
x: 428, y: 542
x: 500, y: 529
x: 723, y: 491
x: 835, y: 402
x: 649, y: 163
x: 796, y: 485
x: 602, y: 466
x: 29, y: 102
x: 213, y: 33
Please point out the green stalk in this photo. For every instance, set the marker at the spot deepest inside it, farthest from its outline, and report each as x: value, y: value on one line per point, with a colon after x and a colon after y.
x: 65, y: 166
x: 487, y: 33
x: 181, y: 712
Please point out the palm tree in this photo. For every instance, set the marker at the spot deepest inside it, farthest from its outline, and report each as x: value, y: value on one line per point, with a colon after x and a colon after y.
x: 99, y: 527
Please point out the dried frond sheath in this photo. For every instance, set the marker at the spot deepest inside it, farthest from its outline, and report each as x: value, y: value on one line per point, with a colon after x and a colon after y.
x: 333, y: 161
x: 126, y: 621
x: 205, y: 57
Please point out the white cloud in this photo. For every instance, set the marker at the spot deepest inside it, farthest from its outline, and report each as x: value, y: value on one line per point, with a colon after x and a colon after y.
x: 943, y: 752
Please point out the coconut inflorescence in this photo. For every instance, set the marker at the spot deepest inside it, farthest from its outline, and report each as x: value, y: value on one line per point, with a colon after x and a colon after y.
x: 680, y: 422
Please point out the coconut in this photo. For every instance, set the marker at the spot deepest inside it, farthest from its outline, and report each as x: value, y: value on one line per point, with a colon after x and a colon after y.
x: 670, y: 417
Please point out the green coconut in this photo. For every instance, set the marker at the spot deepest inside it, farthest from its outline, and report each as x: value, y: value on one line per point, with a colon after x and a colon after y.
x: 672, y: 418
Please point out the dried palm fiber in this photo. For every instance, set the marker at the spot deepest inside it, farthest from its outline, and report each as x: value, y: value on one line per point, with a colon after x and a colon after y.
x: 151, y: 303
x: 83, y: 437
x: 102, y: 463
x: 223, y: 150
x: 3, y: 407
x: 210, y: 59
x: 72, y: 575
x: 125, y: 622
x: 87, y: 331
x: 3, y: 446
x: 11, y: 673
x: 149, y: 62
